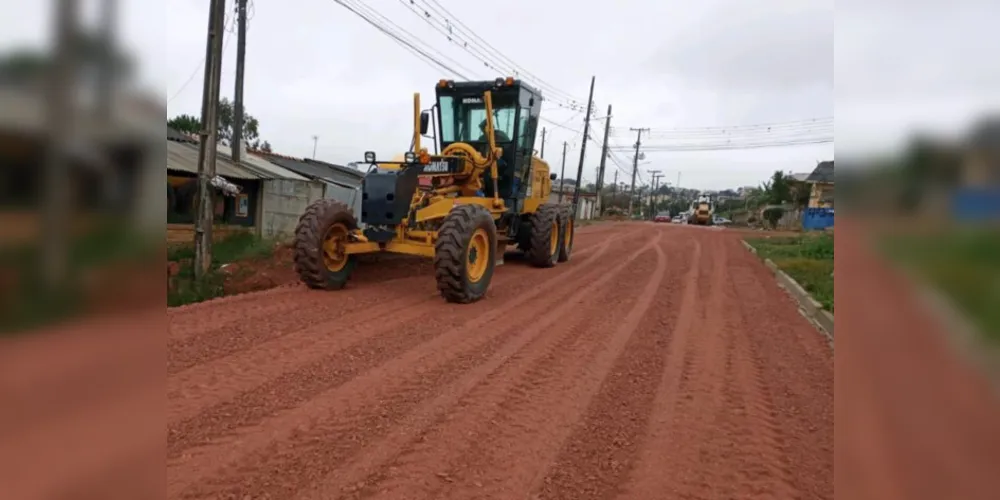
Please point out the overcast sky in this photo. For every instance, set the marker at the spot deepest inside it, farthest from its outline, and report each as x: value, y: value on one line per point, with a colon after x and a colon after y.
x: 314, y: 68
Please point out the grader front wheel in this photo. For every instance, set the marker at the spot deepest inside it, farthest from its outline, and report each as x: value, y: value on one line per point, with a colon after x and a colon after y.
x: 464, y: 254
x: 320, y: 235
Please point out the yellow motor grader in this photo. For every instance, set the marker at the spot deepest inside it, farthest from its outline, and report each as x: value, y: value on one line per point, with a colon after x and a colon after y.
x: 485, y: 191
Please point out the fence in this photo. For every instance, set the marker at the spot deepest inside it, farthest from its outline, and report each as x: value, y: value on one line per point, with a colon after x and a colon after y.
x: 817, y: 218
x: 977, y: 204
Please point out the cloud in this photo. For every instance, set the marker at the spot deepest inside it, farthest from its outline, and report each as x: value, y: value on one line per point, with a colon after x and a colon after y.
x: 771, y: 47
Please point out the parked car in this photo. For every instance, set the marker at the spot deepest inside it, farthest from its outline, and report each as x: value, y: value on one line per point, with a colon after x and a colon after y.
x: 721, y: 221
x: 678, y: 219
x: 662, y: 217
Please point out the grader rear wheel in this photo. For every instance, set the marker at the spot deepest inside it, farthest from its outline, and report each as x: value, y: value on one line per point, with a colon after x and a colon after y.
x: 568, y: 232
x: 464, y: 254
x: 320, y: 235
x: 546, y: 236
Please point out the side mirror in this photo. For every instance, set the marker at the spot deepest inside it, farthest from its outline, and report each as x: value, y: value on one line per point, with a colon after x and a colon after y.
x: 552, y: 177
x: 425, y: 121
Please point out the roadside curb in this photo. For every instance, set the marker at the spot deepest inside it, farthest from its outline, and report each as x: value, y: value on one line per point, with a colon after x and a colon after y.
x: 964, y: 336
x: 810, y: 308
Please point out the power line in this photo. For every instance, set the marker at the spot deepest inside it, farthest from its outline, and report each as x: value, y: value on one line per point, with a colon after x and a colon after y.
x: 408, y: 44
x: 228, y: 29
x: 745, y: 145
x: 455, y: 30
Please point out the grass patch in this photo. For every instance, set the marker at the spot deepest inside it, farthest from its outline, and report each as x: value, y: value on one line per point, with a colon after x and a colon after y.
x: 964, y: 264
x: 239, y: 246
x: 27, y: 303
x: 808, y: 259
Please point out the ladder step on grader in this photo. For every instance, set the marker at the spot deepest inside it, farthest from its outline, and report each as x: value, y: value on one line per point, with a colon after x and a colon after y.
x: 485, y: 191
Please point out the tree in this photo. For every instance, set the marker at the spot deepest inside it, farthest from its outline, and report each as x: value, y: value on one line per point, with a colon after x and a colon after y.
x: 778, y: 189
x: 90, y: 51
x: 227, y: 119
x: 185, y: 123
x: 251, y: 126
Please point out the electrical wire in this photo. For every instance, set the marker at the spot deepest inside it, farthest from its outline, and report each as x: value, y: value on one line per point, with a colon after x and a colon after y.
x: 455, y: 31
x: 229, y: 28
x: 407, y: 44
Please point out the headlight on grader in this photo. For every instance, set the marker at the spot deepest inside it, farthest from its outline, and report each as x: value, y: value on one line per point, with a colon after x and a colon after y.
x: 369, y: 157
x: 410, y: 157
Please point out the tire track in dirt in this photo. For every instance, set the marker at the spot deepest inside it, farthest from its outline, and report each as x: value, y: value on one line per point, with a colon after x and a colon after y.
x: 309, y: 309
x: 449, y: 448
x: 596, y: 458
x: 544, y: 409
x: 682, y: 439
x: 194, y: 390
x: 450, y: 347
x: 785, y: 369
x: 369, y: 406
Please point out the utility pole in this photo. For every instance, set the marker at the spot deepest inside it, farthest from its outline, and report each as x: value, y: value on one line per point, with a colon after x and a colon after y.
x: 583, y: 149
x: 652, y: 193
x: 541, y: 153
x: 562, y: 173
x: 109, y: 70
x: 241, y: 55
x: 205, y: 209
x: 62, y: 81
x: 315, y: 141
x: 604, y: 158
x: 635, y: 166
x: 614, y: 190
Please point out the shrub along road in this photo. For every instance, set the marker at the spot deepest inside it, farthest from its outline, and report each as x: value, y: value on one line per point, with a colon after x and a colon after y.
x: 660, y: 362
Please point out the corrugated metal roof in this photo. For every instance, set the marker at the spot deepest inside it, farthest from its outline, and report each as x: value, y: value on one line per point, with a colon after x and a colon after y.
x: 184, y: 157
x: 264, y: 168
x: 822, y: 173
x: 318, y: 170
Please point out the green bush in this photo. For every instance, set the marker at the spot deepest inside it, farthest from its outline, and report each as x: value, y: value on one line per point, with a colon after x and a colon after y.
x: 234, y: 247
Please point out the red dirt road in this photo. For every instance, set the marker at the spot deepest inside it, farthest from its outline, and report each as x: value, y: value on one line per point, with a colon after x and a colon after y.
x: 661, y: 362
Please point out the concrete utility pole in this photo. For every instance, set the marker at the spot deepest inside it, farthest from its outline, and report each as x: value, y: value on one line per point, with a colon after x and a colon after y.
x: 541, y: 153
x: 635, y: 166
x: 583, y: 149
x: 315, y: 141
x: 614, y: 190
x: 60, y: 116
x: 562, y: 173
x: 109, y: 70
x: 604, y: 159
x: 241, y: 55
x: 652, y: 193
x: 205, y: 209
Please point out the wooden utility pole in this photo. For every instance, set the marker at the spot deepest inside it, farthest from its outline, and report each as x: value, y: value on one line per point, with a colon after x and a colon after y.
x: 541, y: 153
x: 241, y: 55
x: 205, y: 208
x: 604, y: 159
x: 635, y: 166
x: 562, y: 172
x: 583, y: 149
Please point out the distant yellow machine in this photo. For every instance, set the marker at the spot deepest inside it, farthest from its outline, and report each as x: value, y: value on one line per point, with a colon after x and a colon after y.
x: 701, y: 212
x: 463, y: 207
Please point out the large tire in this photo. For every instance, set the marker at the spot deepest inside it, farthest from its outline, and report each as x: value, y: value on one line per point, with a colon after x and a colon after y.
x: 318, y: 268
x: 464, y: 254
x: 545, y: 235
x: 567, y: 231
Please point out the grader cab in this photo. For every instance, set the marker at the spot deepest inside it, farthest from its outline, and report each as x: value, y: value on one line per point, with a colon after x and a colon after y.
x: 485, y: 191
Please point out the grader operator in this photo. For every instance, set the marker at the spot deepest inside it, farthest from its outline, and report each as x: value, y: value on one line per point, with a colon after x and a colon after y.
x: 463, y: 207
